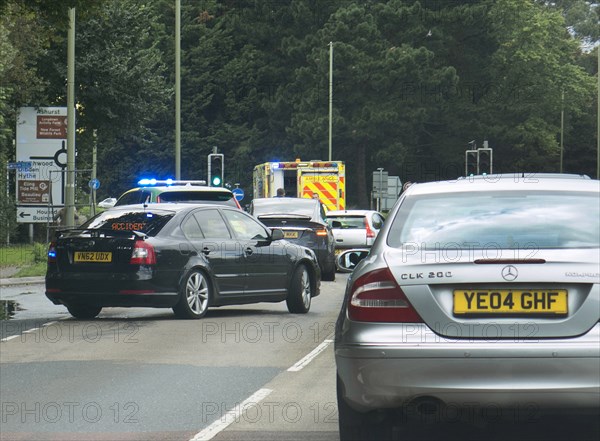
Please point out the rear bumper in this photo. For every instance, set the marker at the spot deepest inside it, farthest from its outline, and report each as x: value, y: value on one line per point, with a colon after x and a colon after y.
x: 551, y: 374
x: 126, y: 290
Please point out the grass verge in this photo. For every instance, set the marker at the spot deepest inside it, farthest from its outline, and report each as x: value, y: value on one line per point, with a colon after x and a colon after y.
x: 35, y: 270
x: 29, y: 258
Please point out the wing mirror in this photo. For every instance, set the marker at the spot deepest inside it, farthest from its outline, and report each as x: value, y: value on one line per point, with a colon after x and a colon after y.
x: 347, y: 261
x: 336, y: 224
x: 107, y: 203
x: 276, y: 234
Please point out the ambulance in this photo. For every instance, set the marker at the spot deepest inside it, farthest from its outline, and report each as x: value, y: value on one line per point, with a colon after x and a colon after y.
x: 325, y: 180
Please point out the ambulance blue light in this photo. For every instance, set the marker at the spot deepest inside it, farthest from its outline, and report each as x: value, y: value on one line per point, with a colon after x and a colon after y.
x: 169, y: 181
x: 147, y: 181
x: 275, y: 165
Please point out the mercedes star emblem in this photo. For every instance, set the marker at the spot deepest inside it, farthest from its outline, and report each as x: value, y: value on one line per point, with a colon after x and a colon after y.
x: 509, y: 273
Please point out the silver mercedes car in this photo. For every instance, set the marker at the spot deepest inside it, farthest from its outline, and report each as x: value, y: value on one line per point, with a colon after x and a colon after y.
x: 480, y: 297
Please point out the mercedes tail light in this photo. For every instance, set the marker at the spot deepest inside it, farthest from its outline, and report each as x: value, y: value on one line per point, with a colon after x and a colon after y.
x: 143, y: 254
x: 376, y: 297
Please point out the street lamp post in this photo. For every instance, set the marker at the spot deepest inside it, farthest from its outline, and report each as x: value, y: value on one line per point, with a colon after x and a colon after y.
x: 177, y: 89
x: 330, y: 96
x: 70, y: 181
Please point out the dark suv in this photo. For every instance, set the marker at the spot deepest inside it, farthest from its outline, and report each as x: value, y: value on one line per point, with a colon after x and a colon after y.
x: 303, y: 221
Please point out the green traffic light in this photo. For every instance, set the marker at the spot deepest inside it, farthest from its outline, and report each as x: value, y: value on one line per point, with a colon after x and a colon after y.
x: 216, y: 181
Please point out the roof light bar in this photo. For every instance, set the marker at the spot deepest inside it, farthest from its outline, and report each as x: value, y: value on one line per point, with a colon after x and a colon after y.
x: 149, y: 182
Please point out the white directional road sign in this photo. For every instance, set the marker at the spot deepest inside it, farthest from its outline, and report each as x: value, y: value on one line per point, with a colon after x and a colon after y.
x: 31, y: 214
x: 41, y: 144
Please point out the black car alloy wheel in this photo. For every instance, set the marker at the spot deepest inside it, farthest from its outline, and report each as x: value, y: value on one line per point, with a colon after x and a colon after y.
x: 194, y: 294
x: 301, y: 291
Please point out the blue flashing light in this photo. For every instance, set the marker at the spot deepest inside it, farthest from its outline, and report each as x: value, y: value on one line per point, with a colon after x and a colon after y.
x: 334, y: 164
x: 52, y: 254
x: 169, y: 181
x: 147, y: 182
x: 149, y: 215
x: 275, y: 165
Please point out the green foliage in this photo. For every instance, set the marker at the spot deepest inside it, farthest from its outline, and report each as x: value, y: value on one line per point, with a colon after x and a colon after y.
x: 414, y: 82
x: 40, y: 253
x: 16, y: 255
x: 38, y: 269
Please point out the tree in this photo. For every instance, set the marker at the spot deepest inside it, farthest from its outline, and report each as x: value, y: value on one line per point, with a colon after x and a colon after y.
x: 120, y: 88
x: 534, y: 64
x: 379, y: 110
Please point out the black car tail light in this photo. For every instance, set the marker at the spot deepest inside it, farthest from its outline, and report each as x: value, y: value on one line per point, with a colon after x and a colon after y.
x: 52, y: 252
x: 370, y: 232
x: 376, y: 297
x: 142, y: 254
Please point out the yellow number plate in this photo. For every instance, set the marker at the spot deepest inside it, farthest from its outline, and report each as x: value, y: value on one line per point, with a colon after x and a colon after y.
x: 509, y: 302
x: 93, y: 256
x: 290, y: 234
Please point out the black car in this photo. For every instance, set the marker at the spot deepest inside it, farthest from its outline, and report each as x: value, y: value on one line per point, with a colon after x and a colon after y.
x: 181, y: 256
x: 303, y: 221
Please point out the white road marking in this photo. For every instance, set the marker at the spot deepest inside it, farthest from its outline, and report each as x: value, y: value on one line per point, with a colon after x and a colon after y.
x: 29, y: 331
x: 311, y: 356
x: 234, y: 414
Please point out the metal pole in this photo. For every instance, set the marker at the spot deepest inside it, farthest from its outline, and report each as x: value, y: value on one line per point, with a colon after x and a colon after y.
x: 562, y: 129
x: 177, y: 89
x: 70, y: 185
x: 7, y: 199
x: 330, y: 96
x: 380, y: 189
x: 598, y: 115
x: 94, y: 170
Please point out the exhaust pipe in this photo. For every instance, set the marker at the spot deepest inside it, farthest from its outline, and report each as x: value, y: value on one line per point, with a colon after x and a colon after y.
x: 425, y: 408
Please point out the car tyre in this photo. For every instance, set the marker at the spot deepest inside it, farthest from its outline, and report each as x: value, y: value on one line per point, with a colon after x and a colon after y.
x: 301, y: 291
x: 356, y: 426
x: 195, y: 294
x: 329, y: 274
x: 84, y: 312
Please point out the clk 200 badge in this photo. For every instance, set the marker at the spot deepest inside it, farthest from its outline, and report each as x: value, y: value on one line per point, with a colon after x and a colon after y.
x: 430, y: 275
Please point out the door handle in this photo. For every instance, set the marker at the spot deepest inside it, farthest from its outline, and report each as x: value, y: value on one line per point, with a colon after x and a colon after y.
x: 248, y: 251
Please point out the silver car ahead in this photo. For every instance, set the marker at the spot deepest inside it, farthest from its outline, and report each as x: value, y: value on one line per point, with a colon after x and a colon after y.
x: 354, y: 228
x: 479, y: 295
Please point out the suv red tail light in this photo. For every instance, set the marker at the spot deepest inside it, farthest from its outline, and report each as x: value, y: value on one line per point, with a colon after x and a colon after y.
x: 143, y: 254
x: 370, y: 232
x: 376, y: 297
x: 52, y: 252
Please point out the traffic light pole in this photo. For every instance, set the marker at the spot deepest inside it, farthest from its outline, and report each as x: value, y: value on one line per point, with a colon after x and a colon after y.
x: 479, y: 161
x: 216, y: 169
